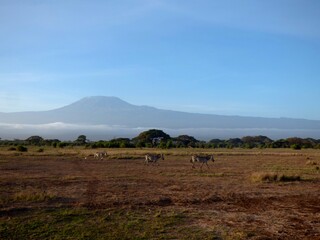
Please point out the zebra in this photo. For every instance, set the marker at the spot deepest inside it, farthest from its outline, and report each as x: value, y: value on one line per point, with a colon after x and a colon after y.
x: 201, y: 159
x: 153, y: 158
x: 99, y: 155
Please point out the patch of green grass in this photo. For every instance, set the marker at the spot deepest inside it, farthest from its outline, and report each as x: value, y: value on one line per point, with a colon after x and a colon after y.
x: 27, y: 196
x: 125, y: 157
x: 170, y: 174
x: 32, y: 196
x: 82, y: 223
x: 211, y: 174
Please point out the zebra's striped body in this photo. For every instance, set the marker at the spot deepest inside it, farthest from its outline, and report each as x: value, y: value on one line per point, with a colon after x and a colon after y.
x: 153, y: 158
x: 100, y: 155
x: 201, y: 159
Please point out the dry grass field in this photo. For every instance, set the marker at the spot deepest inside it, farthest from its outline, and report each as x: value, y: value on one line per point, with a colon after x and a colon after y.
x: 245, y: 194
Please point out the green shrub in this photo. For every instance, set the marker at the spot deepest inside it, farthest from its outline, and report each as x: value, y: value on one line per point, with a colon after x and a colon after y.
x: 296, y: 146
x: 21, y: 148
x: 62, y: 144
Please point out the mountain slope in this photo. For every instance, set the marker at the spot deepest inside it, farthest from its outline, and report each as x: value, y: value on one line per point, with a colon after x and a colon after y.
x: 114, y: 111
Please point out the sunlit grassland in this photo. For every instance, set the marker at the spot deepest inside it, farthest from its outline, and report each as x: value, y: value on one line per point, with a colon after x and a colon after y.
x: 58, y: 193
x: 80, y: 150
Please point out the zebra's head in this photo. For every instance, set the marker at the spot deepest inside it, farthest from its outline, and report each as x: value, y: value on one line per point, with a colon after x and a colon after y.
x: 193, y: 158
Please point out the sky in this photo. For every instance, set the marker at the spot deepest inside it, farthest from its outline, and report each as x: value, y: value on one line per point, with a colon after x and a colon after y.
x: 229, y: 57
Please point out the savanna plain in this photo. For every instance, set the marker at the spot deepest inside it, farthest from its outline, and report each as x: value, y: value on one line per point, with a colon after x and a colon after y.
x: 244, y: 194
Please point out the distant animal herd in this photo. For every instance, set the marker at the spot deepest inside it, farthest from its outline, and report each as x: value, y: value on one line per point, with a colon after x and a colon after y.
x: 154, y: 158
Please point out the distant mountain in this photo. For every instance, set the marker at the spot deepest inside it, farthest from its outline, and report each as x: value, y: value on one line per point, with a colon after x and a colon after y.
x: 112, y: 111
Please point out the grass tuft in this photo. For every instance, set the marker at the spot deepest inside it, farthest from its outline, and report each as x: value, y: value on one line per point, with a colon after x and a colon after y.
x: 311, y: 163
x: 264, y: 177
x: 273, y: 177
x: 31, y: 196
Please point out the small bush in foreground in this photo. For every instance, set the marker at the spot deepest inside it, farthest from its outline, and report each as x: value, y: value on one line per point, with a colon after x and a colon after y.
x: 274, y: 177
x: 264, y: 177
x: 285, y: 178
x: 21, y: 148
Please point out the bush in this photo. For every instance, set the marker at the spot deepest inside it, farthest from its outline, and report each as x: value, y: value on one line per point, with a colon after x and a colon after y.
x: 286, y: 178
x: 22, y: 149
x: 296, y: 146
x: 62, y: 144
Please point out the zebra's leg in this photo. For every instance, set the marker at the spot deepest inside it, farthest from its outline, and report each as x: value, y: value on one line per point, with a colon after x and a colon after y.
x: 192, y: 164
x: 207, y: 165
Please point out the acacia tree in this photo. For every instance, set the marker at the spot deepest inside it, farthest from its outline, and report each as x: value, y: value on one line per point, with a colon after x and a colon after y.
x: 185, y: 141
x: 147, y: 137
x: 81, y: 140
x: 35, y: 140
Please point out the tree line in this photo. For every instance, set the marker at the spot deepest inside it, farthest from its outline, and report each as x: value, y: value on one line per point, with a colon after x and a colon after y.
x: 159, y: 139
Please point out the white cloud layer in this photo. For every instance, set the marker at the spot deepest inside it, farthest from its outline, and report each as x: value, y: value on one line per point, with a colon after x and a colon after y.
x: 67, y: 131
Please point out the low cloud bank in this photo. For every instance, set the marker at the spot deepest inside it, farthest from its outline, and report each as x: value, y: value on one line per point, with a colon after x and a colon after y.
x: 67, y: 131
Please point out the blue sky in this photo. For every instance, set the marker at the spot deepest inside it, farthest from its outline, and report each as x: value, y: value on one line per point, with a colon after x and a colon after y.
x: 231, y: 57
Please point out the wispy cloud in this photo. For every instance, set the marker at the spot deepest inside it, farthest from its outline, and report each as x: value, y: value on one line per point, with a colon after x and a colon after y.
x: 296, y: 17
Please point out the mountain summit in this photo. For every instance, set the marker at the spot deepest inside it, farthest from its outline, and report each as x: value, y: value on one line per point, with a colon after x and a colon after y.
x: 112, y: 111
x: 99, y: 102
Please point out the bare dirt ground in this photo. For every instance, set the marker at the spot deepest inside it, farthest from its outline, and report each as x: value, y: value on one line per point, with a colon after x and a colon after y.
x: 222, y: 200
